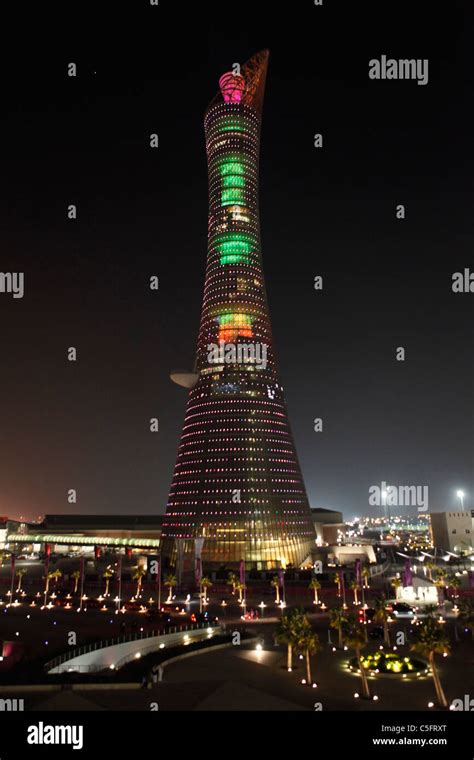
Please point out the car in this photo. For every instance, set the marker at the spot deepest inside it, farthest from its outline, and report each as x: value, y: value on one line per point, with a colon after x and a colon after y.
x: 158, y: 616
x: 203, y: 617
x: 376, y: 632
x: 400, y: 609
x: 91, y: 603
x: 133, y: 606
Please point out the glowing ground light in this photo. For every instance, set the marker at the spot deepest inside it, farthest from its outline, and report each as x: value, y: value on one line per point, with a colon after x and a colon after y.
x: 389, y: 664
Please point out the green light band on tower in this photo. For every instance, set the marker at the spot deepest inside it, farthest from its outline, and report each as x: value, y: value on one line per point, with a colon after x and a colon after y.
x: 231, y: 167
x: 232, y: 195
x: 235, y: 248
x: 233, y: 180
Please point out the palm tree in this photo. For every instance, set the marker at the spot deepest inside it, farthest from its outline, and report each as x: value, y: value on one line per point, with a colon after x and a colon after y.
x: 205, y: 583
x: 138, y: 577
x: 315, y: 586
x: 56, y: 574
x: 275, y: 582
x: 170, y: 581
x: 381, y: 615
x: 453, y: 582
x: 19, y: 574
x: 355, y: 587
x: 307, y: 643
x: 366, y: 575
x: 232, y: 581
x: 337, y: 581
x: 107, y: 574
x: 395, y: 584
x: 289, y: 631
x: 240, y: 587
x: 466, y: 614
x: 337, y: 620
x: 355, y: 639
x: 48, y: 577
x: 76, y: 575
x: 440, y: 584
x: 431, y: 640
x: 429, y: 566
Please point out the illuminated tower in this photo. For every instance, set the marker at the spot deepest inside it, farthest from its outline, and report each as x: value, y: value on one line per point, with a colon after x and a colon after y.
x: 237, y: 484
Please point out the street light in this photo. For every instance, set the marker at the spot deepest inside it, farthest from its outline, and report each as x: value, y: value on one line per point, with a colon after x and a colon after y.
x: 460, y: 495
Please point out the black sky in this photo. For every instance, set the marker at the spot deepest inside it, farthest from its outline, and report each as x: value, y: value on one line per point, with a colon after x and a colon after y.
x: 387, y: 283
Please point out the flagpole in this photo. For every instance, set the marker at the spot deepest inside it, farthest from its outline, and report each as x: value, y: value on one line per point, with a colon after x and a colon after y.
x: 159, y: 582
x: 13, y: 577
x: 82, y: 583
x: 120, y: 583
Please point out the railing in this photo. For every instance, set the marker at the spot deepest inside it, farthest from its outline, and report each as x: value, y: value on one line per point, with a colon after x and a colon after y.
x: 93, y: 646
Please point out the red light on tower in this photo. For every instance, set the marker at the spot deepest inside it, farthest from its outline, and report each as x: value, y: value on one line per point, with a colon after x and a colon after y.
x: 232, y: 87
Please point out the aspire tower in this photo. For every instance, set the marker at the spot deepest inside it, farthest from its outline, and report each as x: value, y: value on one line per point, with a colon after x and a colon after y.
x: 237, y: 491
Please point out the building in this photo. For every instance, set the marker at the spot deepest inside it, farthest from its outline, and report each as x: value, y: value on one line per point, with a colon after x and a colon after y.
x: 237, y: 492
x: 328, y: 525
x: 452, y: 531
x: 61, y: 532
x: 326, y: 516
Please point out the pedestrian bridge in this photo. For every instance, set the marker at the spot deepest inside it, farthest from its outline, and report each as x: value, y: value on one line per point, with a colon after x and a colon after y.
x: 112, y: 654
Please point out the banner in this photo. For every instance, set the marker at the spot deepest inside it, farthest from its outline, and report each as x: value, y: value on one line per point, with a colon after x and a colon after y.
x: 198, y: 571
x: 198, y: 544
x: 119, y: 569
x: 179, y: 559
x: 341, y: 576
x: 358, y: 572
x: 242, y: 572
x: 407, y: 575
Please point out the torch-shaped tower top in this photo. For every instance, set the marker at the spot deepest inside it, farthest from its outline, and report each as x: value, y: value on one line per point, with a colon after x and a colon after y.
x: 248, y: 86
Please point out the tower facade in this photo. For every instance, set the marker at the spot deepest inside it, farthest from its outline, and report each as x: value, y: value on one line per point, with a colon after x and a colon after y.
x: 237, y: 490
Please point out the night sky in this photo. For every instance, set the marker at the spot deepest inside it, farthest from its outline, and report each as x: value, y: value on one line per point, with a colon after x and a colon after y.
x: 143, y: 212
